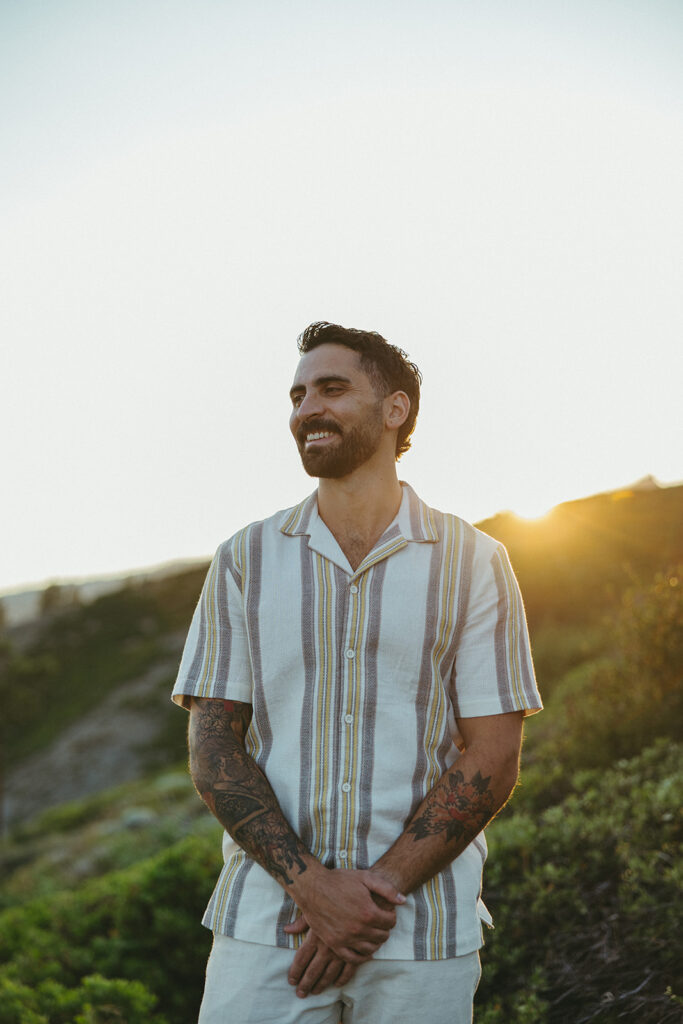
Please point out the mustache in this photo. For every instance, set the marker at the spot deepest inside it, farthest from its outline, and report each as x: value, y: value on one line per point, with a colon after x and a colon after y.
x: 315, y: 427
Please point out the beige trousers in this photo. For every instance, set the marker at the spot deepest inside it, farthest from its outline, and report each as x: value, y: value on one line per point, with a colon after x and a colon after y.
x: 246, y: 983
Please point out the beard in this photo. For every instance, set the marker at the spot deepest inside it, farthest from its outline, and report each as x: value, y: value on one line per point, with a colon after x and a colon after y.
x: 339, y: 459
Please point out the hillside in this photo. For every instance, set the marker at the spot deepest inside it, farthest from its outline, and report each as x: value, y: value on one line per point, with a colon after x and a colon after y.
x: 85, y: 688
x: 110, y: 850
x: 574, y: 563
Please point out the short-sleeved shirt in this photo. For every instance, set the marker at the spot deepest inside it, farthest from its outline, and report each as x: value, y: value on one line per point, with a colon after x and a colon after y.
x: 357, y: 678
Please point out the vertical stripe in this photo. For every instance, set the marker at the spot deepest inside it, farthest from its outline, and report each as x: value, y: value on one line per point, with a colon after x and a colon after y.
x: 523, y: 678
x: 368, y: 714
x: 438, y: 711
x: 464, y: 588
x: 506, y: 631
x: 212, y: 637
x: 418, y: 791
x: 307, y: 713
x: 234, y: 888
x: 260, y: 728
x: 236, y: 571
x: 337, y: 587
x: 225, y: 900
x: 286, y: 915
x: 449, y: 947
x: 528, y: 673
x: 318, y: 785
x: 200, y: 651
x: 435, y: 740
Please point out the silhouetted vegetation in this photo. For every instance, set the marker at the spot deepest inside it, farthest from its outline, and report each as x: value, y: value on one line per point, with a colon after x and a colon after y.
x: 574, y: 564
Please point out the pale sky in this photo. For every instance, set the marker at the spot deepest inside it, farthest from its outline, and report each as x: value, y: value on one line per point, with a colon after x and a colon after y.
x: 495, y: 186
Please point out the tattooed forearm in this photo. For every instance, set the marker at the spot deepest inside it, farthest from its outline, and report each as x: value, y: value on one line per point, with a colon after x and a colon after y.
x: 236, y: 790
x: 456, y: 808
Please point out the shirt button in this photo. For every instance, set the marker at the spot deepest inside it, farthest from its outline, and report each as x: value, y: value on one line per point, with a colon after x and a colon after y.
x: 348, y: 719
x: 353, y: 588
x: 346, y: 788
x: 343, y: 855
x: 350, y: 654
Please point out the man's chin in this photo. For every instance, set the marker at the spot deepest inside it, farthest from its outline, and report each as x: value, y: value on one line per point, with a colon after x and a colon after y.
x: 324, y: 469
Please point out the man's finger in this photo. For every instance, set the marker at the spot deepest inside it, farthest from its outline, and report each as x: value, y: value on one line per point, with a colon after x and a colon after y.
x: 376, y: 883
x: 328, y: 977
x: 302, y: 959
x: 346, y: 975
x: 297, y: 927
x: 364, y: 951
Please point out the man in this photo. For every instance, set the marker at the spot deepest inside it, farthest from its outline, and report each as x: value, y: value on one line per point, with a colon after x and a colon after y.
x: 357, y: 671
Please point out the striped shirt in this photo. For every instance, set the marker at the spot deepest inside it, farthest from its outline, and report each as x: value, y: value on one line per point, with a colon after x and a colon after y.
x: 356, y: 678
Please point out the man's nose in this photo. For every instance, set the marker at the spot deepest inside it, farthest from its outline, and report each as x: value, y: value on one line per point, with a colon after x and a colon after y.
x: 310, y: 405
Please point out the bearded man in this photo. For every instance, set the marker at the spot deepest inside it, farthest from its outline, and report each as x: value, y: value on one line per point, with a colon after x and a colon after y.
x: 357, y: 672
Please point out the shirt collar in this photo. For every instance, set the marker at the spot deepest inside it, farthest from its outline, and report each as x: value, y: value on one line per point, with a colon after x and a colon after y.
x: 415, y: 520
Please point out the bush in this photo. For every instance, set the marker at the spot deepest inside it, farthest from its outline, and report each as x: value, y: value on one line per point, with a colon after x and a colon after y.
x: 587, y: 900
x: 640, y: 690
x: 610, y: 709
x: 96, y: 1000
x: 140, y: 925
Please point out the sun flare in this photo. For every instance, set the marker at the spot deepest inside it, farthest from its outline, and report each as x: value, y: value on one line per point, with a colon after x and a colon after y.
x: 532, y: 511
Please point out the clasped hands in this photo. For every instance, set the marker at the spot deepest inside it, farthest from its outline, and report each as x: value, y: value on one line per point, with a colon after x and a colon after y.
x: 348, y: 915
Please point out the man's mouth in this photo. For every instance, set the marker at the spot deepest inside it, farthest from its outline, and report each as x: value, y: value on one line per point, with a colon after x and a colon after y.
x: 320, y: 435
x: 315, y: 436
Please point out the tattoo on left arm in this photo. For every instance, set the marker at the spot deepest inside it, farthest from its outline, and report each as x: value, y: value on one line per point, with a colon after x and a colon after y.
x: 456, y: 809
x: 237, y: 792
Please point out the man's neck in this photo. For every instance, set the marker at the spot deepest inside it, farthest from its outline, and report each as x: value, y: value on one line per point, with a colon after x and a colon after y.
x: 357, y: 509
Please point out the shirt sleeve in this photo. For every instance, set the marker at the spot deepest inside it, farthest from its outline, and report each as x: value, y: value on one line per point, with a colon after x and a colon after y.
x: 493, y: 672
x: 215, y: 660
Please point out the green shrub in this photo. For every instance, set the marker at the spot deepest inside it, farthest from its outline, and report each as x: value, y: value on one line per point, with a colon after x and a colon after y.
x: 587, y: 899
x: 138, y: 925
x: 96, y: 1000
x: 611, y: 708
x: 641, y: 690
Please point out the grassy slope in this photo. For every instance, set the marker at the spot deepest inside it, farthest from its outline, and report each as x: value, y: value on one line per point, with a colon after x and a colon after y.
x: 539, y: 884
x: 572, y: 568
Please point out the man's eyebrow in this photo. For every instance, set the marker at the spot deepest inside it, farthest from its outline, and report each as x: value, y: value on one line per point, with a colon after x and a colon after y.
x: 320, y: 382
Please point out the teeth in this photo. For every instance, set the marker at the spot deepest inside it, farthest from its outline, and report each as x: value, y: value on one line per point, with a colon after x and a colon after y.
x: 317, y: 437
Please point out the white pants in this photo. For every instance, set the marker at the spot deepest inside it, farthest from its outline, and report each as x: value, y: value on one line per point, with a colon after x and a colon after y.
x: 246, y: 983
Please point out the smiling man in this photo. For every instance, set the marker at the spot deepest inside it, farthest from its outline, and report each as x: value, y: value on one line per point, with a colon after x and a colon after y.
x: 357, y: 671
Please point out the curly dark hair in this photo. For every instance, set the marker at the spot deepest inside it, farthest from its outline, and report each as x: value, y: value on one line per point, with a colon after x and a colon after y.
x: 387, y: 366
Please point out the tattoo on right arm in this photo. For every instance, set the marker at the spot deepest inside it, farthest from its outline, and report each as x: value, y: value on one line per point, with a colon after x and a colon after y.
x: 235, y: 789
x: 456, y: 808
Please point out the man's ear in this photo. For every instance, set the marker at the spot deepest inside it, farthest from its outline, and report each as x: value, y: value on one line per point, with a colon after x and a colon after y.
x: 396, y: 409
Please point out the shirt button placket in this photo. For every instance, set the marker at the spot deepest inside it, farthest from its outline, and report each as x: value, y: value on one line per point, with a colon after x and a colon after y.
x: 350, y: 655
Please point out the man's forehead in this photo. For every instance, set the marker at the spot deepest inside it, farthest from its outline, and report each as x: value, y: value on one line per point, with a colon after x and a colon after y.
x: 327, y: 361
